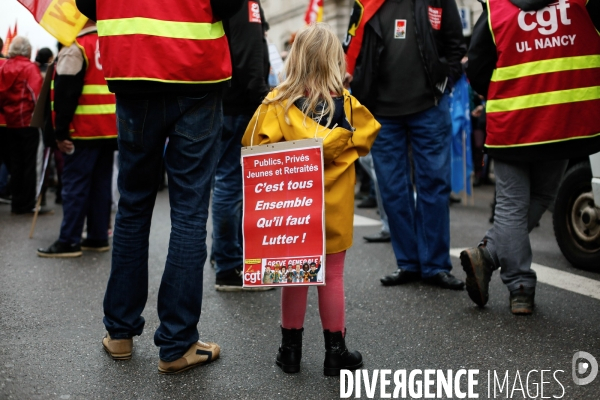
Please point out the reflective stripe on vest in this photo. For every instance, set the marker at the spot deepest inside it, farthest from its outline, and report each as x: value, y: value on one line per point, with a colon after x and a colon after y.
x: 94, y: 116
x: 547, y: 73
x: 180, y: 43
x: 156, y: 27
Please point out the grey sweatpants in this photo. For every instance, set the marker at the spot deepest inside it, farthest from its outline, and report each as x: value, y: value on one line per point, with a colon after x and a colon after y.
x: 524, y: 190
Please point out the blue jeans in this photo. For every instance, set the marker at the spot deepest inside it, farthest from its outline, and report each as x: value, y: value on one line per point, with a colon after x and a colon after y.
x: 367, y: 163
x: 193, y: 126
x: 86, y: 192
x: 420, y: 231
x: 3, y: 178
x: 227, y: 197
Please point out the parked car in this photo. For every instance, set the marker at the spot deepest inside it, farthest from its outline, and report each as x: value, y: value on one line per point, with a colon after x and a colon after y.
x: 576, y: 216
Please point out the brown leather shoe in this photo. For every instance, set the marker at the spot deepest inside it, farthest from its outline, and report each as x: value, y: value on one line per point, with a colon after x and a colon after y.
x: 118, y: 349
x: 199, y: 353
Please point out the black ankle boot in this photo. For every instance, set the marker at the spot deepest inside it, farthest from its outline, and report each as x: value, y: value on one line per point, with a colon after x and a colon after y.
x: 290, y: 351
x: 337, y: 356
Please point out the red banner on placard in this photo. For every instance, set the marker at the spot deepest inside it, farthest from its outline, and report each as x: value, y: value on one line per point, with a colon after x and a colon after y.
x: 283, y: 212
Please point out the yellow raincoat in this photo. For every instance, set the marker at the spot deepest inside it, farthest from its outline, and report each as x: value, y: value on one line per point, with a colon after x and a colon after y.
x: 341, y: 148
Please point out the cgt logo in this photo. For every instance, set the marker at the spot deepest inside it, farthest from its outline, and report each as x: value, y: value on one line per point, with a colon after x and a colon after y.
x: 546, y: 19
x: 252, y: 277
x: 581, y: 367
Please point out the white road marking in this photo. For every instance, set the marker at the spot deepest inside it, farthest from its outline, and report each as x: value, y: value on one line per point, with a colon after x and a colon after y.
x: 364, y: 221
x: 560, y: 279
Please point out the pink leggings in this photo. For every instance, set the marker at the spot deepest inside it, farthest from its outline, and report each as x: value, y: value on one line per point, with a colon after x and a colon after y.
x: 332, y: 306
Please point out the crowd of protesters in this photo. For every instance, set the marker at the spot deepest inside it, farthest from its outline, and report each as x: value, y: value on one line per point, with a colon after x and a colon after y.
x: 401, y: 61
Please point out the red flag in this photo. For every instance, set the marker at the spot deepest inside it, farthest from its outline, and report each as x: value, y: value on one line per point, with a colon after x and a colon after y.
x: 10, y: 35
x: 60, y: 18
x: 362, y: 12
x: 314, y: 12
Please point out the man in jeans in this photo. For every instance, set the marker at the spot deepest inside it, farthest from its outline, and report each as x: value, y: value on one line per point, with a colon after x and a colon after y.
x: 402, y: 54
x: 167, y: 85
x: 249, y: 57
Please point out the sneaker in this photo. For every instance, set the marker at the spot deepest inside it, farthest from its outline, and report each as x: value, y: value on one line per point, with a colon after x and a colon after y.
x: 95, y: 245
x: 199, y: 353
x: 118, y: 349
x: 478, y: 266
x: 522, y: 300
x: 60, y: 250
x: 5, y: 199
x: 231, y: 281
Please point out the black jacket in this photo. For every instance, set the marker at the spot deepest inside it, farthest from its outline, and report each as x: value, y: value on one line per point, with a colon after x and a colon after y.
x: 441, y: 50
x: 223, y: 9
x: 482, y: 51
x: 249, y: 56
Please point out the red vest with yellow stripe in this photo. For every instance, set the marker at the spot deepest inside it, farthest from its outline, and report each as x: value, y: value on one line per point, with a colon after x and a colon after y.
x: 2, y: 118
x: 545, y: 89
x: 95, y: 113
x: 170, y: 42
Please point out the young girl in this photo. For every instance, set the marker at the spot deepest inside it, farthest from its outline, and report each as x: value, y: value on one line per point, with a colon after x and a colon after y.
x: 312, y: 99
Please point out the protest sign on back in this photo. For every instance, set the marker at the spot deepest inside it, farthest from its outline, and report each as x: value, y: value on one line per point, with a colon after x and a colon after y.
x: 284, y: 220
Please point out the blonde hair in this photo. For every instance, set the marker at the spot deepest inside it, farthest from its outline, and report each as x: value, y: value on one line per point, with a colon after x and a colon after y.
x: 314, y: 69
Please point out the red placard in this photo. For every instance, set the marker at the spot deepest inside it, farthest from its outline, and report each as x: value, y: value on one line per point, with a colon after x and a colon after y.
x: 283, y: 210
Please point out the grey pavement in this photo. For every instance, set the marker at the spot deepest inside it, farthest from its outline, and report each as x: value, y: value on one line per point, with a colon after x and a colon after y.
x: 51, y: 324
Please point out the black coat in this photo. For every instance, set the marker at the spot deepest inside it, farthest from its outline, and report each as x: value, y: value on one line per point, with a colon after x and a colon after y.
x: 250, y: 61
x: 441, y: 50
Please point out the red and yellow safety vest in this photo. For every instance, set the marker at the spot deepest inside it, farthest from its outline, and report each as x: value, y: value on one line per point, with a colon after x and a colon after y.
x: 171, y: 42
x: 546, y: 86
x: 2, y: 118
x: 95, y: 113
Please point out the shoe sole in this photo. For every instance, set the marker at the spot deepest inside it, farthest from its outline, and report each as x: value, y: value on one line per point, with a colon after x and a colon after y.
x: 117, y: 357
x: 521, y: 311
x: 473, y: 288
x: 225, y: 288
x: 336, y: 371
x: 289, y: 369
x: 60, y: 255
x: 165, y: 372
x: 96, y: 249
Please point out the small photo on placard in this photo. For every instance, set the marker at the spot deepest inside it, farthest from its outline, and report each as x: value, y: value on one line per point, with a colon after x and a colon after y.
x: 400, y: 31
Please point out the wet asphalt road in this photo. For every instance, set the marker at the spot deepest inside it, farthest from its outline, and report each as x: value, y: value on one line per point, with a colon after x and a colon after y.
x: 51, y: 324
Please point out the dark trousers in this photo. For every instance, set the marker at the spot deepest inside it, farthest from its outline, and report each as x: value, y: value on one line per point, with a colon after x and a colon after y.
x: 86, y: 192
x: 22, y: 146
x: 193, y: 125
x: 4, y: 161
